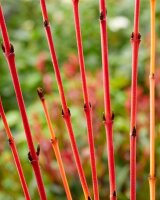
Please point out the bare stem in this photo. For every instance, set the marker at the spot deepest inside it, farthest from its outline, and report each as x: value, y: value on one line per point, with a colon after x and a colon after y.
x: 87, y: 104
x: 55, y: 144
x: 65, y: 111
x: 152, y: 178
x: 135, y: 41
x: 10, y: 57
x: 108, y: 116
x: 15, y: 153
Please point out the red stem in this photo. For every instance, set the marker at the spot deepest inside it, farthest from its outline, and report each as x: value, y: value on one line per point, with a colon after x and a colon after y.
x: 65, y: 111
x: 108, y: 117
x: 87, y: 105
x: 10, y: 57
x: 135, y: 40
x: 15, y: 153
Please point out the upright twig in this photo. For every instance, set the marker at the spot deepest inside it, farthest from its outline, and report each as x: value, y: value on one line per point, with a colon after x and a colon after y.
x: 108, y: 116
x: 65, y: 110
x: 55, y: 144
x: 87, y: 103
x: 135, y: 41
x: 15, y: 153
x: 152, y: 177
x: 10, y: 57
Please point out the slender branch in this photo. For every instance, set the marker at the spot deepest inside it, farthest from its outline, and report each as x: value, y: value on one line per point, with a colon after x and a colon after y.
x: 65, y: 111
x: 152, y: 177
x: 55, y: 144
x: 108, y: 116
x: 135, y: 40
x: 15, y: 153
x: 87, y: 104
x: 10, y: 57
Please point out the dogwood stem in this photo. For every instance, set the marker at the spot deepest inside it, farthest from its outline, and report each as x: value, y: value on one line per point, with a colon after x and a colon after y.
x: 152, y: 177
x: 15, y: 153
x: 87, y: 104
x: 108, y: 116
x: 65, y: 110
x: 135, y: 41
x: 10, y: 57
x: 55, y: 144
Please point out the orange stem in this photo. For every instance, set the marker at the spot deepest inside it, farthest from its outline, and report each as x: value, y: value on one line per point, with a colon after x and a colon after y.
x: 55, y: 144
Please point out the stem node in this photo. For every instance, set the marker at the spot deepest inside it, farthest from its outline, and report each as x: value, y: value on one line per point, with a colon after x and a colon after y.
x: 67, y: 114
x: 134, y: 132
x: 46, y: 23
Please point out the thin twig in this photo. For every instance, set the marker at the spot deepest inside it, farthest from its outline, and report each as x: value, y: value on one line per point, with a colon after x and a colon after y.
x: 15, y: 153
x: 55, y: 144
x: 152, y: 177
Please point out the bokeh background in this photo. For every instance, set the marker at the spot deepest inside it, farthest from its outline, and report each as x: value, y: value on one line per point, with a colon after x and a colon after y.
x: 24, y: 22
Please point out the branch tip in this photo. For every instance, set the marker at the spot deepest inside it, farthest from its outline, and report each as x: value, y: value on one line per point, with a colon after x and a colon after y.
x: 40, y: 92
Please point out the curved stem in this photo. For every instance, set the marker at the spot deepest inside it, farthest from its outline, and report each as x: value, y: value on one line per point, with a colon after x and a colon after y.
x: 15, y: 153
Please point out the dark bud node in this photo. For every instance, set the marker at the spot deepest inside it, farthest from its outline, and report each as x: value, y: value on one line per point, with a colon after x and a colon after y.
x: 114, y: 194
x: 104, y: 117
x: 101, y: 17
x: 139, y: 36
x: 112, y: 116
x: 11, y: 48
x: 29, y: 157
x: 3, y: 48
x: 134, y: 132
x: 46, y: 23
x: 38, y: 150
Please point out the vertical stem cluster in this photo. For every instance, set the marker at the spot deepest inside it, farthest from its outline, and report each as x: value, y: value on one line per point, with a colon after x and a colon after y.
x: 55, y: 144
x: 10, y: 57
x: 15, y: 153
x: 87, y: 104
x: 135, y: 40
x: 152, y: 177
x: 108, y: 116
x: 65, y: 110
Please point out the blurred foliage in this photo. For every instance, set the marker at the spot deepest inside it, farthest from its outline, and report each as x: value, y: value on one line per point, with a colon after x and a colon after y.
x: 25, y: 26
